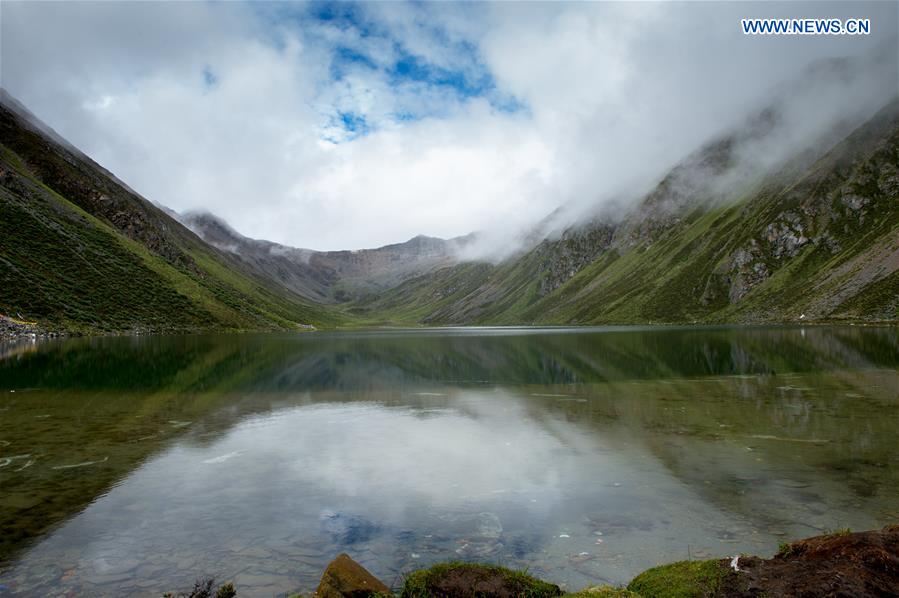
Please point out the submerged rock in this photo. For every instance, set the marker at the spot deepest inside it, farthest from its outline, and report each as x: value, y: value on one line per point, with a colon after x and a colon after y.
x: 348, y: 529
x: 489, y: 525
x: 345, y: 578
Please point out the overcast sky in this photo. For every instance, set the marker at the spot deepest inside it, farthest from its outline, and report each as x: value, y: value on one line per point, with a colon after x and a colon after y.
x: 339, y: 126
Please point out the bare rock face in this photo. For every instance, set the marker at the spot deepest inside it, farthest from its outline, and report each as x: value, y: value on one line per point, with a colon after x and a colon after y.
x: 786, y: 235
x: 746, y: 269
x: 563, y: 258
x: 345, y: 578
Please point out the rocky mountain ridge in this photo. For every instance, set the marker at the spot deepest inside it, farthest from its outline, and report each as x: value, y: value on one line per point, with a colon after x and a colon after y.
x: 329, y: 276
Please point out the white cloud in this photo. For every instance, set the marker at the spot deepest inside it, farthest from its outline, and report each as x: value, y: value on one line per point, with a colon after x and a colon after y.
x: 614, y: 94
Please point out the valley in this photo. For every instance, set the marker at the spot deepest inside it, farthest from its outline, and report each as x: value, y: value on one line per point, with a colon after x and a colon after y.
x: 814, y: 240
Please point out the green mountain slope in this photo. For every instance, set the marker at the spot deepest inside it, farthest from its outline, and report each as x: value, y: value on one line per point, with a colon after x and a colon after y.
x: 817, y: 240
x: 79, y: 250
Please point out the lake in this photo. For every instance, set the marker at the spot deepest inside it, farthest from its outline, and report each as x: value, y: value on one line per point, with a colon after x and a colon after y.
x: 135, y: 465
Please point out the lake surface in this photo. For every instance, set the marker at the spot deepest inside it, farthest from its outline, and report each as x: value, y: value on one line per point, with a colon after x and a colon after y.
x: 135, y: 465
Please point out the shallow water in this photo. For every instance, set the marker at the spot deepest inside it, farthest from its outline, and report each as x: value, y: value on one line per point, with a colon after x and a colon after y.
x: 135, y: 465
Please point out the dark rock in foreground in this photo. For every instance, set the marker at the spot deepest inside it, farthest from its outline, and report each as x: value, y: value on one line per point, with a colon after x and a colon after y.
x: 345, y: 578
x: 841, y: 564
x: 861, y: 565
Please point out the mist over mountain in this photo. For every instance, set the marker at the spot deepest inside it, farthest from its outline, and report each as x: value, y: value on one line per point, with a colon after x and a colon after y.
x: 329, y: 276
x: 797, y: 124
x: 811, y: 239
x: 674, y: 186
x: 352, y: 126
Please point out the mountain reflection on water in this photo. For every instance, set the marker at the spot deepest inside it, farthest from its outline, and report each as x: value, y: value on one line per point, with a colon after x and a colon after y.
x: 585, y: 455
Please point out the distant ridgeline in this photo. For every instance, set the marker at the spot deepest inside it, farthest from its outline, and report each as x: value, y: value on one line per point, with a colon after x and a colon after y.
x: 815, y: 238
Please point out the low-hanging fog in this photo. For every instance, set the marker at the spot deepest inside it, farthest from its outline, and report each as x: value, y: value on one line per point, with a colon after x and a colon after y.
x: 335, y: 126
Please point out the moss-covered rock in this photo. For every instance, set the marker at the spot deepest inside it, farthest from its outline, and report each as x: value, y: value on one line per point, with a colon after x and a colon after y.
x: 684, y: 579
x: 345, y: 578
x: 458, y: 580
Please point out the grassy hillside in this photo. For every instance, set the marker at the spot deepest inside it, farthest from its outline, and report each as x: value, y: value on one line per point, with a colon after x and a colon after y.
x: 81, y: 251
x: 815, y: 241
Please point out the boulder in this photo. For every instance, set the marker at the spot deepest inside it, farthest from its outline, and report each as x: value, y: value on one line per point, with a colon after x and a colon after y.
x: 345, y: 578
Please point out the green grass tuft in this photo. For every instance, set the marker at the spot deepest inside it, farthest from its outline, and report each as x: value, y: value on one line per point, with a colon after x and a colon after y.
x: 785, y: 549
x: 603, y: 592
x: 843, y: 531
x: 428, y: 583
x: 684, y: 579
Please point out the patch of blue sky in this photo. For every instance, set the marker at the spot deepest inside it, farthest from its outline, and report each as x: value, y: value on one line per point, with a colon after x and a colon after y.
x: 353, y: 122
x: 344, y: 15
x: 474, y: 81
x: 464, y: 78
x: 470, y: 79
x: 403, y: 116
x: 279, y: 16
x: 346, y: 59
x: 210, y: 79
x: 345, y: 126
x: 508, y: 103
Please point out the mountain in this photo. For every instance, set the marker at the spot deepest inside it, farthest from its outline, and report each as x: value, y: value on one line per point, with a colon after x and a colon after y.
x: 811, y: 236
x: 814, y: 239
x: 79, y: 250
x: 329, y: 276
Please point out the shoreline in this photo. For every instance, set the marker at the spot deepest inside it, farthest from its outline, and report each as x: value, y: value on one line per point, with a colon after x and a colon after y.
x: 11, y: 330
x: 840, y: 563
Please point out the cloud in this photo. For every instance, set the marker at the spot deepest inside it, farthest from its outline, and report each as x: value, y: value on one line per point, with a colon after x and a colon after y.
x: 337, y: 126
